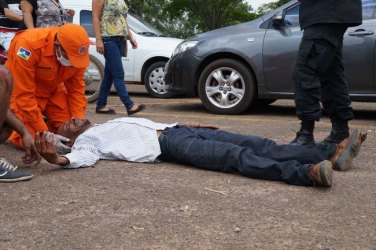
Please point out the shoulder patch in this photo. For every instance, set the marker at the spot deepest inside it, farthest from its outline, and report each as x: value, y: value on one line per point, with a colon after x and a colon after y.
x: 23, y: 53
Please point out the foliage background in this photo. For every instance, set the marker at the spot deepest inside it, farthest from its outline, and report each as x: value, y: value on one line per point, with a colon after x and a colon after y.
x: 185, y: 18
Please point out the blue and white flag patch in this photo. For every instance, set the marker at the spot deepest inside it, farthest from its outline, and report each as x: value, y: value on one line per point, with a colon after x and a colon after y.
x: 23, y: 53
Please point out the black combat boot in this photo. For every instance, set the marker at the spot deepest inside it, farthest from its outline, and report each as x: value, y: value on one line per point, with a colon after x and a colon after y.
x: 305, y: 135
x: 340, y: 131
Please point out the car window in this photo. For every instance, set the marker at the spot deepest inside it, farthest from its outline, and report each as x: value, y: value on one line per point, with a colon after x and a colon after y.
x: 368, y: 7
x: 141, y: 27
x: 137, y: 25
x: 69, y: 19
x: 85, y: 21
x: 292, y: 16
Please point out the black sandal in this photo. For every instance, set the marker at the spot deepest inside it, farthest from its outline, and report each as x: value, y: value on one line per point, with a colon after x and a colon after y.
x: 105, y: 110
x: 140, y: 108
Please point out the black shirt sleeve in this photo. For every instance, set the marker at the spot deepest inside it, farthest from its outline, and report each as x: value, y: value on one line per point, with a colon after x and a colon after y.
x: 3, y: 4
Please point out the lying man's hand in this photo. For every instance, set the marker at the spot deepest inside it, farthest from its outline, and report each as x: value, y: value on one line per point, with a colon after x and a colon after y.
x: 198, y: 125
x: 45, y: 144
x: 61, y: 148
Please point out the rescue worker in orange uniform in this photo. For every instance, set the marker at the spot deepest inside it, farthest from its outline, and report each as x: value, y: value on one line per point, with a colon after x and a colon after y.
x: 48, y: 67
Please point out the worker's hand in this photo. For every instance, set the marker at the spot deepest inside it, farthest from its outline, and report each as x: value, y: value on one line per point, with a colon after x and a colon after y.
x: 31, y: 152
x: 198, y: 125
x: 59, y: 141
x: 45, y: 144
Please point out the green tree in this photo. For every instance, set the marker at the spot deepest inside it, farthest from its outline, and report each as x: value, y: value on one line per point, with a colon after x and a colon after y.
x: 184, y: 18
x: 154, y: 12
x: 211, y: 14
x: 270, y: 6
x: 136, y: 7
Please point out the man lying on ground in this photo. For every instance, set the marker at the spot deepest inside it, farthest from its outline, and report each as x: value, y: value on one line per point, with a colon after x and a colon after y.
x: 205, y: 147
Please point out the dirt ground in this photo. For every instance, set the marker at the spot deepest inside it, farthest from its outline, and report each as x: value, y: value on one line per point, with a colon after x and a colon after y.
x: 121, y: 205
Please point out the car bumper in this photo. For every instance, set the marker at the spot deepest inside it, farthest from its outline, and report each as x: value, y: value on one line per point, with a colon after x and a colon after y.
x: 181, y: 74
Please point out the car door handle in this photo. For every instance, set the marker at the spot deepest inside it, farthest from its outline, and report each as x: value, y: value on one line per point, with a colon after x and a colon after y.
x: 361, y: 33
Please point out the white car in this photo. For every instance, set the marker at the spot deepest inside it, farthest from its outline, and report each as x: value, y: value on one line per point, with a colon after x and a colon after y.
x: 144, y: 65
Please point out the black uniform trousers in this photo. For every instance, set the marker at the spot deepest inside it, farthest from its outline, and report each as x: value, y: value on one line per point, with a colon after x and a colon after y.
x: 319, y: 74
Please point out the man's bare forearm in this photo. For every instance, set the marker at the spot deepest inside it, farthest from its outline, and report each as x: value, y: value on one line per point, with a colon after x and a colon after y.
x: 13, y: 122
x: 12, y: 15
x: 62, y: 161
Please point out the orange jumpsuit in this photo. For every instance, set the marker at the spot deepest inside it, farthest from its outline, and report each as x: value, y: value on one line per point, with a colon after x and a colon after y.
x: 46, y: 94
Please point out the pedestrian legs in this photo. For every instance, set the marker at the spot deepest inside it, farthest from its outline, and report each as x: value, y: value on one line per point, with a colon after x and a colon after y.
x: 113, y: 73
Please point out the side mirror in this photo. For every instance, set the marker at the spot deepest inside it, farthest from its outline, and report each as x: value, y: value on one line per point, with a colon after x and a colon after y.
x: 277, y: 20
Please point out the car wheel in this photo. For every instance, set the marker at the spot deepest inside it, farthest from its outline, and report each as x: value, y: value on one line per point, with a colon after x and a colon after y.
x: 226, y: 86
x: 154, y: 80
x: 93, y: 78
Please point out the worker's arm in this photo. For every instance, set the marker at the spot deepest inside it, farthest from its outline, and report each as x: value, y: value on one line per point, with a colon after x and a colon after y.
x: 22, y: 63
x: 76, y: 94
x: 10, y: 14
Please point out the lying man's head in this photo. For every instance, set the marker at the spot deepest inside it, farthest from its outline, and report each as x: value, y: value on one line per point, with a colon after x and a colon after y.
x: 73, y: 128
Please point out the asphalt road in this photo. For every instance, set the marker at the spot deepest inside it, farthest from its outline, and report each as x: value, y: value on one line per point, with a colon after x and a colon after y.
x: 121, y: 205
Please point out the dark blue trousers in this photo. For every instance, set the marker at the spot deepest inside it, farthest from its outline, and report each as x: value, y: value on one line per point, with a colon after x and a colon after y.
x: 251, y: 156
x: 113, y: 73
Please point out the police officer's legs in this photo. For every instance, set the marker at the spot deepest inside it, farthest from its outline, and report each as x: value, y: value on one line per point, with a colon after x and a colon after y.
x: 307, y: 92
x: 336, y: 100
x: 317, y: 53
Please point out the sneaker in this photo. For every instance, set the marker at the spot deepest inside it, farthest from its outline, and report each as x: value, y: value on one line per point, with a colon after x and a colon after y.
x: 347, y: 150
x: 9, y: 172
x: 321, y: 174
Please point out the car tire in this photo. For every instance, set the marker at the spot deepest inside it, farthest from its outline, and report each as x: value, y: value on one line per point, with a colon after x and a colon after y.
x: 154, y: 80
x: 93, y: 78
x: 226, y: 86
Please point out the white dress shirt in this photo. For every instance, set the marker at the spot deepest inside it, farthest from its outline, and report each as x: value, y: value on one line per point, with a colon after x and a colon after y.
x: 129, y: 139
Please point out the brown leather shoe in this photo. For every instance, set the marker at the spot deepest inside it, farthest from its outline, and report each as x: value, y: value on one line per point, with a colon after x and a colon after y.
x: 347, y: 150
x: 321, y: 174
